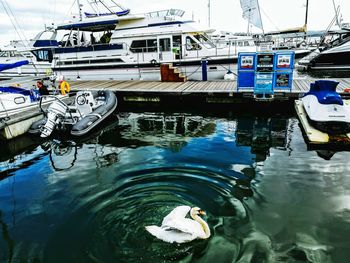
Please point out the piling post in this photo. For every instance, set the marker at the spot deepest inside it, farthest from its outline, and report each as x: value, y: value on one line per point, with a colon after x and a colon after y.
x: 204, y: 69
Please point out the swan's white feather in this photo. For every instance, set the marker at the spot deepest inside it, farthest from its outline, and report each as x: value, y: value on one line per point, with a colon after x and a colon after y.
x: 169, y: 235
x: 178, y: 212
x: 185, y: 225
x: 177, y: 228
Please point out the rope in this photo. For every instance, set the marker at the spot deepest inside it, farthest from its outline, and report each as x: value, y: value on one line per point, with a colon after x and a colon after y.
x: 70, y: 9
x: 13, y: 21
x: 192, y: 72
x: 221, y: 65
x: 270, y: 19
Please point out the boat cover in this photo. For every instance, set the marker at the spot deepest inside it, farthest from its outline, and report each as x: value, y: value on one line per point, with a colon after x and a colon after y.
x: 13, y: 65
x: 325, y: 92
x: 120, y: 13
x: 33, y: 94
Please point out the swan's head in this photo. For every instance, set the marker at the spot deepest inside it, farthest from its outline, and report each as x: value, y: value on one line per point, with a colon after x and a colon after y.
x: 197, y: 211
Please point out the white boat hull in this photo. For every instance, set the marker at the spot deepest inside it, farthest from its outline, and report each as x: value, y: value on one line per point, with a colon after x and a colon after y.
x: 8, y: 109
x: 326, y: 112
x: 216, y: 71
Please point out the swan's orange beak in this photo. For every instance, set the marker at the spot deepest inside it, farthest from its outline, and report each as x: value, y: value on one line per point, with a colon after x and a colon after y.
x: 201, y: 212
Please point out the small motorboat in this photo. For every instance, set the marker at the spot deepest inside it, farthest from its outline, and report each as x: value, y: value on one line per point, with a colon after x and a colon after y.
x: 16, y: 100
x: 90, y: 109
x: 326, y: 109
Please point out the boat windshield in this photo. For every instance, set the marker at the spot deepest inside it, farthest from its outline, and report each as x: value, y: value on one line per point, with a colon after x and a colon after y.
x: 165, y: 13
x: 204, y: 40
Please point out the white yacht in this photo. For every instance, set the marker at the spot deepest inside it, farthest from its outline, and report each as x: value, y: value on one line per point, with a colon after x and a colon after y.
x: 132, y: 47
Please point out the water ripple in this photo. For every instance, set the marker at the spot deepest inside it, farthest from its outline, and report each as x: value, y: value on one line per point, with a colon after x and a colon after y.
x: 116, y: 218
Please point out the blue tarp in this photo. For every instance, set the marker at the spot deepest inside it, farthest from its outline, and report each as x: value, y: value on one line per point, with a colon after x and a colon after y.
x: 120, y: 13
x: 13, y: 65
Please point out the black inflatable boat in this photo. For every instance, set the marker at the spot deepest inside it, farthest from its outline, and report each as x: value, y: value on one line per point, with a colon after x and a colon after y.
x: 89, y: 110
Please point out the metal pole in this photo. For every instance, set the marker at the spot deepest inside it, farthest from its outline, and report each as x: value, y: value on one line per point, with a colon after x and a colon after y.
x: 79, y: 8
x: 209, y: 13
x: 336, y: 14
x: 306, y: 15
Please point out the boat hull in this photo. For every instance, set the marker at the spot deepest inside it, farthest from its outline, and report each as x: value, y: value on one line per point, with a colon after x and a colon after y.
x: 329, y: 118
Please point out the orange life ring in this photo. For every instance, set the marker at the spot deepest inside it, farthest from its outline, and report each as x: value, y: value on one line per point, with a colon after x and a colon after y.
x: 64, y: 87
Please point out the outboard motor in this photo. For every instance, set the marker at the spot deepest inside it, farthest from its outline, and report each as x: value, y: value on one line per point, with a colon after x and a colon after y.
x: 56, y: 113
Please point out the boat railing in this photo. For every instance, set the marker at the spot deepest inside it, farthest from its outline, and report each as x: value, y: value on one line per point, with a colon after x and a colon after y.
x: 165, y: 13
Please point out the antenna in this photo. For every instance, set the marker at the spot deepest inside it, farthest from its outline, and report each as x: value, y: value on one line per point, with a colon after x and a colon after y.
x: 80, y: 13
x: 336, y: 10
x: 209, y: 13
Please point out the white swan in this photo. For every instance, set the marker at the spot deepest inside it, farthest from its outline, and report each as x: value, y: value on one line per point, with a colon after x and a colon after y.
x: 176, y: 228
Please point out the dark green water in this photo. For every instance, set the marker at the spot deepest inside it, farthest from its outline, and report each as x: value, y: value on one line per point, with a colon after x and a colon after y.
x: 267, y: 198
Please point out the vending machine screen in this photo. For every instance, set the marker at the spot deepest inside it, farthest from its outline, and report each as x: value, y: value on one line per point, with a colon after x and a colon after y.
x: 265, y: 62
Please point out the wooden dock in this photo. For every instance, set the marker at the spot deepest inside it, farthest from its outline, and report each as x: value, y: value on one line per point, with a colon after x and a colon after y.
x: 299, y: 86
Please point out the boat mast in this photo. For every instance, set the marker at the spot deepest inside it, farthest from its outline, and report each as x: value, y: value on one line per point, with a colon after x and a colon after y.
x: 306, y: 15
x: 80, y: 13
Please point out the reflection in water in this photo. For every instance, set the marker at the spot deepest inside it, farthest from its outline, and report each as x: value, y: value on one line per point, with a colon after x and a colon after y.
x: 89, y: 199
x: 261, y: 134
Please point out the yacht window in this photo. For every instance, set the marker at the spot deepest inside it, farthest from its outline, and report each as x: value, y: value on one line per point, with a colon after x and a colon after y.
x: 151, y: 45
x: 164, y: 44
x: 139, y: 46
x: 64, y: 42
x: 4, y: 54
x: 43, y: 55
x: 191, y: 44
x: 14, y: 54
x: 204, y: 39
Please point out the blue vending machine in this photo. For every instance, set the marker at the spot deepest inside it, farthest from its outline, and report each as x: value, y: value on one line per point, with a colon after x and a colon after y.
x: 283, y: 67
x: 246, y: 70
x: 264, y: 75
